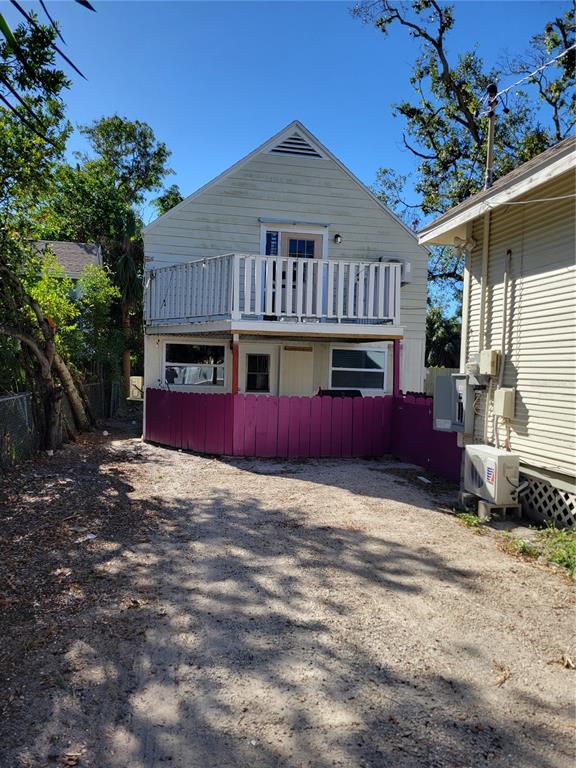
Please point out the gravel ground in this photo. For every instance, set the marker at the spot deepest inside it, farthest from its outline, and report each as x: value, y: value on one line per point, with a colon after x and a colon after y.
x: 260, y: 614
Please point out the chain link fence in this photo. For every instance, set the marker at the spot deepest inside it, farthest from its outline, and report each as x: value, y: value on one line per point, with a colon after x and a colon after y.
x: 19, y: 437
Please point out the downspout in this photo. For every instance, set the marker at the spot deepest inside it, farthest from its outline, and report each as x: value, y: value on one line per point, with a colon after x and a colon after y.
x: 507, y: 264
x: 482, y: 329
x: 465, y: 305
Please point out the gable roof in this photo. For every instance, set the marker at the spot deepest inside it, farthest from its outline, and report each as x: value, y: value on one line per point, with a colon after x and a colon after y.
x: 72, y: 256
x: 294, y: 135
x: 527, y: 177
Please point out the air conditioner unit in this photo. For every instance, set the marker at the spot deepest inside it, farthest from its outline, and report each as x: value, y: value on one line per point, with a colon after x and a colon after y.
x: 492, y: 474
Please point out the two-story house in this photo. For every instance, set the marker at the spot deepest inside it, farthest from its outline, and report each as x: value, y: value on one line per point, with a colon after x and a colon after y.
x: 284, y: 276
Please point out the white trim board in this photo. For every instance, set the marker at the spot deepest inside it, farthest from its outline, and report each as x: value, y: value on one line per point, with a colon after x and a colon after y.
x: 281, y: 329
x: 451, y: 225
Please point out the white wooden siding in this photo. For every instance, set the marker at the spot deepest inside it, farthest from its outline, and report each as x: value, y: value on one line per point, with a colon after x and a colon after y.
x: 225, y: 219
x: 541, y: 344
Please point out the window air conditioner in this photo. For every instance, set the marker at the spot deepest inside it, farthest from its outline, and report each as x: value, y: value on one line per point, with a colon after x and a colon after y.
x: 491, y: 474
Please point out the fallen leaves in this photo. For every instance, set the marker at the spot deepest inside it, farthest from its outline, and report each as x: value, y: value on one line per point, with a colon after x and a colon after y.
x: 504, y: 673
x: 70, y: 758
x: 564, y: 661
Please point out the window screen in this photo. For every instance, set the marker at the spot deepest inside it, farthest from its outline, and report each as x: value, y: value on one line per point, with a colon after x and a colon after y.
x: 257, y: 373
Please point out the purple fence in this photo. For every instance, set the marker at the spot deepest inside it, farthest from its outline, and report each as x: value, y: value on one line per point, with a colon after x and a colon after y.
x: 417, y: 442
x: 301, y: 427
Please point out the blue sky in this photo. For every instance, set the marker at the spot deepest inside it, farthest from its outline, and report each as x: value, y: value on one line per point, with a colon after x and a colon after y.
x: 216, y: 79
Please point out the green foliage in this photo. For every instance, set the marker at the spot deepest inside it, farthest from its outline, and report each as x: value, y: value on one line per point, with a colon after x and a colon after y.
x: 521, y: 547
x: 135, y: 158
x: 168, y: 199
x: 471, y: 521
x: 559, y: 546
x: 443, y: 126
x: 47, y: 283
x: 442, y: 338
x: 553, y: 545
x: 102, y: 344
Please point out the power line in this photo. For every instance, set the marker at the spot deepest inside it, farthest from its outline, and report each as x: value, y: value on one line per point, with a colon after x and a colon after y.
x: 541, y: 68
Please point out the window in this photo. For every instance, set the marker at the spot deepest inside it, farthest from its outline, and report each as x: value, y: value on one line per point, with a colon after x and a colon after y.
x: 199, y: 365
x: 257, y: 373
x: 300, y: 249
x: 358, y: 369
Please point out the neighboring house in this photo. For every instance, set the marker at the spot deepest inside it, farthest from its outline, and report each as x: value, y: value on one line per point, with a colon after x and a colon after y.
x: 72, y: 256
x: 284, y: 275
x: 520, y: 240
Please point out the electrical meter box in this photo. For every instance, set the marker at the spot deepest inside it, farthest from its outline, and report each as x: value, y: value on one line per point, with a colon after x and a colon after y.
x: 504, y: 402
x: 453, y: 404
x: 489, y: 362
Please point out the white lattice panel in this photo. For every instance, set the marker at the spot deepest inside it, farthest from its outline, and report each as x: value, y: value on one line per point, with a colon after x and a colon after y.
x: 551, y: 504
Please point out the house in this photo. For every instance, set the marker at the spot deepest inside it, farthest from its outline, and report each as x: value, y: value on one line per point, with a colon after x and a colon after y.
x: 520, y: 299
x: 284, y: 276
x: 72, y: 256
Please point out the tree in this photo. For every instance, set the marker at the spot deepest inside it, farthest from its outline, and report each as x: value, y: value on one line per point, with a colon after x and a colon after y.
x: 442, y: 339
x: 27, y: 158
x: 168, y: 199
x: 96, y: 201
x: 445, y: 124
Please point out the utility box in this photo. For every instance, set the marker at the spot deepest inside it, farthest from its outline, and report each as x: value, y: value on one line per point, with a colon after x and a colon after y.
x: 453, y: 404
x: 505, y: 402
x: 489, y: 362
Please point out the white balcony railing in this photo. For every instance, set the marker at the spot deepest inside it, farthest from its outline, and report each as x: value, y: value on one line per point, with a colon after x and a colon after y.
x: 244, y: 286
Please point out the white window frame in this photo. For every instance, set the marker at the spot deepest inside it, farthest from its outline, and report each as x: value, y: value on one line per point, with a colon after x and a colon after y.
x: 203, y: 387
x: 360, y: 348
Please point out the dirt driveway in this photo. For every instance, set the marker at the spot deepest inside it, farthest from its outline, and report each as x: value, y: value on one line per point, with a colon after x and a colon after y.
x: 266, y: 614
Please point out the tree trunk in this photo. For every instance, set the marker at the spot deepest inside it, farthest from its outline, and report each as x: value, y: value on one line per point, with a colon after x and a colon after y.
x: 53, y: 411
x: 80, y: 416
x: 126, y: 364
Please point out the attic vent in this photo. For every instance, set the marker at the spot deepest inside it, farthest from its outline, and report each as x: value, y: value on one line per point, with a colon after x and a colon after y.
x: 295, y: 145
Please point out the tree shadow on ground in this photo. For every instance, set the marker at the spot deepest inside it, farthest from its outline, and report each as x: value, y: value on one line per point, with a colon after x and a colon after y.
x: 210, y: 629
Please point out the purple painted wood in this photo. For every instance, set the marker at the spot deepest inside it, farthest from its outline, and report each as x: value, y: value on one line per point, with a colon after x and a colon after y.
x: 358, y: 437
x: 213, y: 424
x: 325, y: 425
x: 294, y: 428
x: 336, y: 434
x: 304, y: 443
x: 248, y: 425
x: 283, y: 427
x: 347, y: 416
x: 238, y: 421
x: 316, y: 425
x: 228, y: 425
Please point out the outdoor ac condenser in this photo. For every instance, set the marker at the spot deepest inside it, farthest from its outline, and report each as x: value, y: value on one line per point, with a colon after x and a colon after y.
x: 491, y: 473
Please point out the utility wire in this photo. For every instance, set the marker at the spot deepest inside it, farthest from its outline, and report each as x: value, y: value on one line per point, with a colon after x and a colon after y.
x: 504, y: 91
x: 542, y: 67
x: 529, y: 202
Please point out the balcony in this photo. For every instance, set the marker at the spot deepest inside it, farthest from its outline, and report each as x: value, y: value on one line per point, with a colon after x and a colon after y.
x: 270, y: 294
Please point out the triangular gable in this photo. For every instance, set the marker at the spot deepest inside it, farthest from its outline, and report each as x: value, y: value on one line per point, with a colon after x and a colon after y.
x: 287, y: 141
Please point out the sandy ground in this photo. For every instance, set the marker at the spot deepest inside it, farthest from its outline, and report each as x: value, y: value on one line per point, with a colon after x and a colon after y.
x: 259, y: 613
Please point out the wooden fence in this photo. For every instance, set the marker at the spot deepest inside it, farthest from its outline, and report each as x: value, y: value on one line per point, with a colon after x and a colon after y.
x: 301, y: 427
